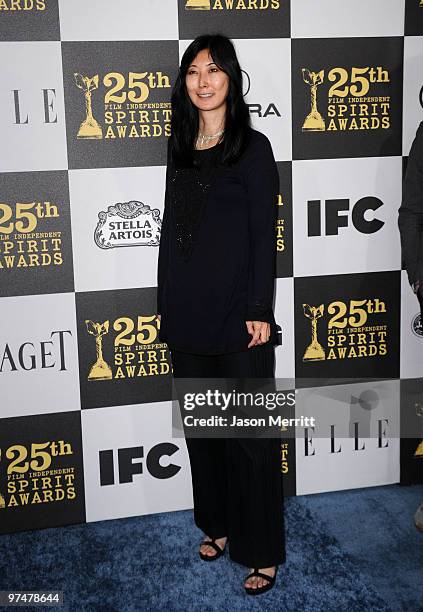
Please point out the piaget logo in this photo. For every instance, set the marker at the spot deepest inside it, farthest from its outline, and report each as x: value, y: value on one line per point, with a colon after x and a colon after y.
x: 350, y: 333
x: 136, y: 352
x: 353, y: 101
x: 22, y: 5
x: 23, y: 243
x: 34, y: 474
x: 209, y: 5
x: 128, y: 224
x: 36, y: 355
x: 126, y: 109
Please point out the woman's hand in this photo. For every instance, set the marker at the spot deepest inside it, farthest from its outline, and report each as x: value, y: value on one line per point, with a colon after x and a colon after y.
x: 260, y: 332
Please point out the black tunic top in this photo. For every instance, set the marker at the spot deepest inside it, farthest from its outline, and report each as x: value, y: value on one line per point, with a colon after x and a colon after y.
x: 217, y: 250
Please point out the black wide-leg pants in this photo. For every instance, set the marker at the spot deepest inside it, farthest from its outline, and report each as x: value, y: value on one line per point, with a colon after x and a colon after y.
x: 237, y: 482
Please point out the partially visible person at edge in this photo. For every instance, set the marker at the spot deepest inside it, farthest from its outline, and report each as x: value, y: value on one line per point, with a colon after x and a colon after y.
x: 215, y: 282
x: 410, y: 222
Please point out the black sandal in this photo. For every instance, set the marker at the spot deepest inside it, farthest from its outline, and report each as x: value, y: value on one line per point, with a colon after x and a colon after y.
x: 219, y: 551
x: 265, y: 587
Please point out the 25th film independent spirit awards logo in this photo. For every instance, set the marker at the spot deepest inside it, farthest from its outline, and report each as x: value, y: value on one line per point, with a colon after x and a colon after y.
x: 347, y: 96
x: 35, y: 234
x: 117, y: 97
x: 238, y: 5
x: 236, y: 18
x: 121, y: 359
x: 287, y: 461
x: 347, y: 325
x: 29, y: 20
x: 23, y: 5
x: 41, y: 473
x: 284, y: 221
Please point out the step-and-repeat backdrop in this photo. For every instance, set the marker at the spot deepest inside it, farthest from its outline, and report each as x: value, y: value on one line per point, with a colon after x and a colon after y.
x: 85, y: 421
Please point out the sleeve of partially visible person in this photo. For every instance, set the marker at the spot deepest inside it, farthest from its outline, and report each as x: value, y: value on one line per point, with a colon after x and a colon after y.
x: 163, y: 258
x: 262, y: 184
x: 410, y: 217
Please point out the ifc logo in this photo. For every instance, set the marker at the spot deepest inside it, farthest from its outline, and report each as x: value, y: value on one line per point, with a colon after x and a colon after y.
x: 416, y: 326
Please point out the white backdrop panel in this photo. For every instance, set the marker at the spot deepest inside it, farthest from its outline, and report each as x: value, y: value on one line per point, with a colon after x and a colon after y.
x: 123, y: 20
x: 349, y: 468
x: 350, y: 250
x: 144, y: 425
x: 32, y: 121
x: 26, y: 386
x: 326, y: 18
x: 92, y: 192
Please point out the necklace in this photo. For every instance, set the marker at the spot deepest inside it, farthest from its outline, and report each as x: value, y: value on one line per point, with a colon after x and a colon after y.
x: 205, y: 139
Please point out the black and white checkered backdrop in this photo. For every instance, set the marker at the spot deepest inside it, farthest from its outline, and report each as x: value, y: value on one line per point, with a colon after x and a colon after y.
x: 85, y: 421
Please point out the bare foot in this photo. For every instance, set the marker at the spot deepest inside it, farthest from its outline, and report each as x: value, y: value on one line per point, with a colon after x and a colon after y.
x: 255, y: 582
x: 209, y: 550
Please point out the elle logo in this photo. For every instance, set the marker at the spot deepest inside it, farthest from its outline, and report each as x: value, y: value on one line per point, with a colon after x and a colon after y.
x: 48, y: 102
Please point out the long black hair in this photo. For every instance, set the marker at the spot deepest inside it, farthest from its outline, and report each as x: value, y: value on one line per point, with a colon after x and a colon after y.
x: 185, y: 117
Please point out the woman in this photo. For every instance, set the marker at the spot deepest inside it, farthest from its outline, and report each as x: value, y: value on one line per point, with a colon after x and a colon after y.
x: 215, y: 292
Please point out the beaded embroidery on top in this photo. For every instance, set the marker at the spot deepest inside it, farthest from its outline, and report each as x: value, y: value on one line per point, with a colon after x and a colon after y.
x: 189, y: 187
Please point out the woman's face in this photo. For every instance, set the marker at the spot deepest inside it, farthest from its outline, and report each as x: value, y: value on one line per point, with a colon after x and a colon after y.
x: 207, y: 85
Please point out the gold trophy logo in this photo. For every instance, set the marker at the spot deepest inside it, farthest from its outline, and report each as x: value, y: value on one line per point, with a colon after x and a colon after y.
x: 314, y: 121
x: 314, y: 351
x: 197, y: 5
x: 89, y: 128
x: 419, y: 412
x: 100, y: 370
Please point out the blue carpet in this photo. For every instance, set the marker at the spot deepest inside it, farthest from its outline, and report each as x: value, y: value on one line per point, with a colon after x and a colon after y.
x: 348, y: 551
x: 376, y: 528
